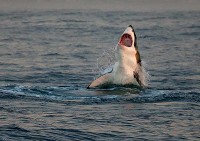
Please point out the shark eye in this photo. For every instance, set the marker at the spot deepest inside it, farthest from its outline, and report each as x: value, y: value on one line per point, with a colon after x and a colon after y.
x: 126, y: 40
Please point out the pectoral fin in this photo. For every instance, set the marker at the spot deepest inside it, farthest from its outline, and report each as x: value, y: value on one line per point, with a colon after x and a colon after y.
x: 102, y: 80
x: 136, y: 76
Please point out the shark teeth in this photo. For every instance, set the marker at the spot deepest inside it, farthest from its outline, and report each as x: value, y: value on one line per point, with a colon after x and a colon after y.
x: 126, y: 40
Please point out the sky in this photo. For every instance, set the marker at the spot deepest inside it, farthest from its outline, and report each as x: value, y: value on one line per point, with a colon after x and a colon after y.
x: 107, y: 5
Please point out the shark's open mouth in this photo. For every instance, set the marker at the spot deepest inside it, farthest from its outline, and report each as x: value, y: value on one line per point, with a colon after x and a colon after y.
x: 126, y: 40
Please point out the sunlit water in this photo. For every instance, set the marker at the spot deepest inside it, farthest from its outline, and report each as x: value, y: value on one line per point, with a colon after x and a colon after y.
x: 48, y: 58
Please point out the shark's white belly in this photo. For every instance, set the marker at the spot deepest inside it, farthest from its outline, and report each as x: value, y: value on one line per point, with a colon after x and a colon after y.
x: 123, y: 75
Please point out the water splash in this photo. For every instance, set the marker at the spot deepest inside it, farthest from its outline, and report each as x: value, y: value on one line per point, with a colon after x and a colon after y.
x: 105, y: 62
x: 144, y: 74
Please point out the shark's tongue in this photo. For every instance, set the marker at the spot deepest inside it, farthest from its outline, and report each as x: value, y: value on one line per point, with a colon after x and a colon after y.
x: 126, y: 40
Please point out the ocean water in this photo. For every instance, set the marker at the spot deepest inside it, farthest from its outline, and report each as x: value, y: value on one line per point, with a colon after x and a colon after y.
x: 49, y: 57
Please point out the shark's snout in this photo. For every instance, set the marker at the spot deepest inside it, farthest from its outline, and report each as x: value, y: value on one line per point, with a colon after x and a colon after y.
x: 128, y: 38
x: 131, y: 27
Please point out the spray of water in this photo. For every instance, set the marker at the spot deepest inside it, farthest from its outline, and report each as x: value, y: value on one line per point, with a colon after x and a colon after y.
x: 144, y: 75
x: 105, y: 62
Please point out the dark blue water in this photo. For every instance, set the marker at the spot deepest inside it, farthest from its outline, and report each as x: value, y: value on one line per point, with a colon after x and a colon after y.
x: 48, y: 58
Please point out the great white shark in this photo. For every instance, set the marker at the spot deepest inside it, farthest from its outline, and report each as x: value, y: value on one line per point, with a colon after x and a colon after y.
x: 127, y: 69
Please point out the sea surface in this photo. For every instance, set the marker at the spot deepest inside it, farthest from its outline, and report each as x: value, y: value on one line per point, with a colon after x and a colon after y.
x: 49, y: 57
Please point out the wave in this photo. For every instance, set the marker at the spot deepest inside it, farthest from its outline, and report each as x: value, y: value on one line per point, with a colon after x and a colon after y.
x: 74, y: 95
x: 15, y: 131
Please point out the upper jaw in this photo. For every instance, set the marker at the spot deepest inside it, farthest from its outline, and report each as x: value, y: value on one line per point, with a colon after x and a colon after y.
x: 127, y: 38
